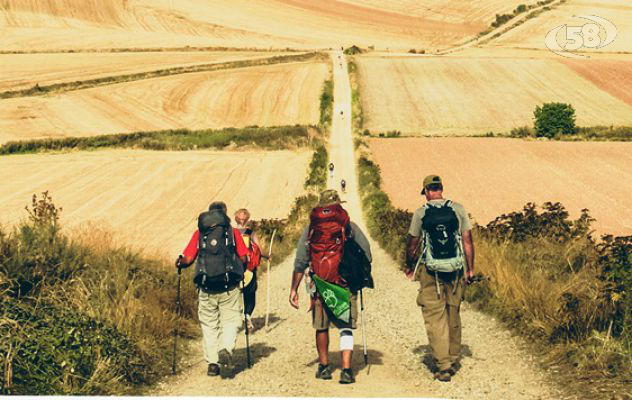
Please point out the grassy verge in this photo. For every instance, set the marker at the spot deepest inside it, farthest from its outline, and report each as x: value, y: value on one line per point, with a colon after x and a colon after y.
x: 549, y: 280
x: 269, y: 138
x: 356, y: 103
x: 590, y: 133
x: 81, y: 316
x: 38, y: 90
x: 327, y: 103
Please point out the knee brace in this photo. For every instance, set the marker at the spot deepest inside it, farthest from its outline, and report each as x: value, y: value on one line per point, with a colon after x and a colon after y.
x: 346, y: 339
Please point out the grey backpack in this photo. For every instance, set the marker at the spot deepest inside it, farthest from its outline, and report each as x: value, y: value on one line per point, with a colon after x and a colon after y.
x: 442, y: 245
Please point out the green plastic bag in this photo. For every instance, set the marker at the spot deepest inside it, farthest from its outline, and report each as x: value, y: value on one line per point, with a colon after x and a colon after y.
x: 336, y: 298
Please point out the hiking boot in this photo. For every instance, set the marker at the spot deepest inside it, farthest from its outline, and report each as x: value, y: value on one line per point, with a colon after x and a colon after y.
x: 346, y: 376
x: 443, y: 376
x: 225, y: 358
x: 324, y: 372
x: 213, y: 370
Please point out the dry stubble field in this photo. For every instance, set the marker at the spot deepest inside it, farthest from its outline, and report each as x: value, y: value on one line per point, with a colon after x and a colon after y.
x: 63, y: 24
x: 150, y: 197
x: 23, y: 71
x: 481, y: 92
x: 493, y: 176
x: 531, y: 34
x: 282, y: 94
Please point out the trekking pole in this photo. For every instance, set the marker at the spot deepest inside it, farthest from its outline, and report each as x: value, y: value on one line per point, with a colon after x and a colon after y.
x: 366, y: 355
x: 175, y: 332
x: 268, y: 280
x: 243, y: 292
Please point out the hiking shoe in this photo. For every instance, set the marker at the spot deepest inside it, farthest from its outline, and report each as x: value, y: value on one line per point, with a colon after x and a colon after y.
x: 456, y: 366
x: 443, y: 376
x: 346, y: 376
x: 225, y: 358
x: 213, y: 370
x: 324, y: 372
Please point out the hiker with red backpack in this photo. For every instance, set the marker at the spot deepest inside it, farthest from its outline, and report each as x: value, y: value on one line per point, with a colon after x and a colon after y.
x: 221, y: 254
x: 442, y: 231
x: 242, y: 217
x: 334, y: 285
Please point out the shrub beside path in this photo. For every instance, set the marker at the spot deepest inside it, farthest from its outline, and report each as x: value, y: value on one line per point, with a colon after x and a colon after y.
x: 493, y: 366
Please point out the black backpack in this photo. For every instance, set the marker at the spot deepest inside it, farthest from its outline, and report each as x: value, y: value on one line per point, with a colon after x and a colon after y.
x: 442, y: 250
x: 218, y: 267
x: 355, y: 268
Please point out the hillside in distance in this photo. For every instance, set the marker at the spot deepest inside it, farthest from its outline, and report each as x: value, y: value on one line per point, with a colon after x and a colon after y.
x: 92, y: 24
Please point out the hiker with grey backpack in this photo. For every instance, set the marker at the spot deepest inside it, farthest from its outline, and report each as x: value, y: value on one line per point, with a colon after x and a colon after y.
x: 338, y: 256
x: 220, y: 256
x: 440, y: 235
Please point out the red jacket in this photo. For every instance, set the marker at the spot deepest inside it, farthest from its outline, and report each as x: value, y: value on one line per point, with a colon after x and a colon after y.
x: 191, y: 251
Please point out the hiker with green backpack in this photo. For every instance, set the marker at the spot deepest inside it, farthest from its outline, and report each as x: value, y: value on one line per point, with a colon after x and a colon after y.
x: 442, y: 232
x: 221, y: 257
x: 338, y: 256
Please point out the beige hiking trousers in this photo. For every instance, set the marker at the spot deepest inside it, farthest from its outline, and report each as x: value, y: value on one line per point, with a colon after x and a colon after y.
x: 442, y: 317
x: 220, y: 316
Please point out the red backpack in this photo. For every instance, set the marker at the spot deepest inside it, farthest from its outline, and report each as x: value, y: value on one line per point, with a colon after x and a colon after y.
x: 254, y: 251
x: 326, y: 240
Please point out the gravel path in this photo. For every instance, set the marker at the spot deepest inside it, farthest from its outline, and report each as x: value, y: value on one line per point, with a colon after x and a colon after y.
x: 493, y: 365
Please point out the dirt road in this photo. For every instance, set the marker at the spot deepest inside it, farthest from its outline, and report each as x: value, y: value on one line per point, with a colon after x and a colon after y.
x: 285, y: 359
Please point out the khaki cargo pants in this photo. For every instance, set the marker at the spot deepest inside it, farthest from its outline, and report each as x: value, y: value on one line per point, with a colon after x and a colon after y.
x: 442, y: 316
x: 220, y: 316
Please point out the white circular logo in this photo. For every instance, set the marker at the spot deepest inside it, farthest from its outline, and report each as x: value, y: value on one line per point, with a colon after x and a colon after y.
x: 214, y: 242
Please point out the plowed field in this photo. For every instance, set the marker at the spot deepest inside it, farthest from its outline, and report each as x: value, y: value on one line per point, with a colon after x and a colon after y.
x: 152, y: 199
x: 269, y: 95
x: 494, y: 176
x: 23, y: 71
x: 611, y: 76
x: 477, y: 94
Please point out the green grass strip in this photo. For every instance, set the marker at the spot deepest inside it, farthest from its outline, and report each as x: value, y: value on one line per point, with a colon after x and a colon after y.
x: 40, y: 90
x: 269, y: 138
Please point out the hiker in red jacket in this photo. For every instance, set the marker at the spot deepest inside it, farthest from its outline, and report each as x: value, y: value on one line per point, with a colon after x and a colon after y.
x: 221, y: 254
x: 320, y: 249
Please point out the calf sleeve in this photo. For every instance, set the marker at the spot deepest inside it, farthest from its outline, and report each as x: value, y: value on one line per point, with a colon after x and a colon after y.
x: 346, y: 339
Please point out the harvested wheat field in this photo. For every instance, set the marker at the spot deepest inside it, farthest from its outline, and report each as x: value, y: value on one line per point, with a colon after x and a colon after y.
x: 152, y: 198
x: 494, y: 176
x: 90, y: 24
x: 531, y: 34
x: 473, y: 95
x: 23, y: 71
x: 283, y: 94
x: 64, y: 24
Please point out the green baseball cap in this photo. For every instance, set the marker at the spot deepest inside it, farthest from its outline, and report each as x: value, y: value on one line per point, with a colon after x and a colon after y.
x: 430, y: 180
x: 329, y: 196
